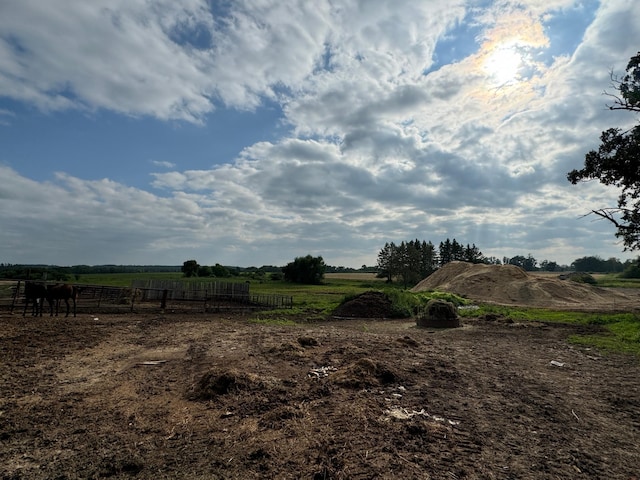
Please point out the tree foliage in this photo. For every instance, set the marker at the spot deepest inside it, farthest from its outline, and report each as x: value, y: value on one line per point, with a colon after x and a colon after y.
x: 220, y: 271
x: 190, y: 268
x: 616, y: 162
x: 410, y: 261
x: 528, y: 263
x: 307, y: 270
x: 597, y: 264
x: 414, y: 260
x: 549, y: 266
x: 632, y: 269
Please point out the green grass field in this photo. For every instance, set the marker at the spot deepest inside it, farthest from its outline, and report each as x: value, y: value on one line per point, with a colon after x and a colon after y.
x: 123, y: 279
x: 614, y: 280
x: 621, y: 330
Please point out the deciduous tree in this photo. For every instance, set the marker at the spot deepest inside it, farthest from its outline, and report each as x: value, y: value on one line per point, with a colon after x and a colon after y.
x: 309, y: 270
x: 190, y: 268
x: 617, y: 161
x: 527, y: 263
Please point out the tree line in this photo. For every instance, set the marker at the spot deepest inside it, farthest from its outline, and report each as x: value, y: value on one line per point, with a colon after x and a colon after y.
x: 411, y: 261
x: 58, y: 273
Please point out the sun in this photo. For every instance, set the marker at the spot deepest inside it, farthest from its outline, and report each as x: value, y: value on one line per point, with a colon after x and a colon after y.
x: 502, y: 65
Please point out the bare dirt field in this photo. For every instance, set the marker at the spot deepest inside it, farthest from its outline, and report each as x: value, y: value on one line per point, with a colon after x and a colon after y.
x: 205, y: 396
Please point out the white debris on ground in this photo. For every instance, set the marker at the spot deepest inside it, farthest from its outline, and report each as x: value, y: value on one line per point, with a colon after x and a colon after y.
x: 399, y: 413
x: 321, y: 372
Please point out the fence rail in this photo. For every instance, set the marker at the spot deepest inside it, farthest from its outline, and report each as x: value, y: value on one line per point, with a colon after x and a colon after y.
x: 191, y: 290
x: 146, y: 295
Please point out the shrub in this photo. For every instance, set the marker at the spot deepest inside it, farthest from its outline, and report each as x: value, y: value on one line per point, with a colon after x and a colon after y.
x: 581, y: 277
x: 308, y: 270
x: 438, y: 313
x: 403, y: 304
x: 632, y: 271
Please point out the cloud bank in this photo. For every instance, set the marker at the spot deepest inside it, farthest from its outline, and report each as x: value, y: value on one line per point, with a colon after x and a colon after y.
x: 407, y: 120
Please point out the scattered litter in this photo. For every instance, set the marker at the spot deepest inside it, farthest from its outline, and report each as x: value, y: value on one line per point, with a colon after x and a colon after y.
x: 554, y: 363
x: 400, y: 413
x: 321, y: 372
x: 397, y: 395
x: 574, y: 414
x: 95, y: 319
x: 153, y: 362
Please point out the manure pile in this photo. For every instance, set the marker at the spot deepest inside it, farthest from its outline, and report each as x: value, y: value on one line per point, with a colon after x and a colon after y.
x: 366, y: 305
x: 510, y: 285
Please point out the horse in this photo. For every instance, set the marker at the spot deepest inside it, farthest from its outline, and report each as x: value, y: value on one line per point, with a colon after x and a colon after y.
x: 65, y: 292
x: 34, y: 293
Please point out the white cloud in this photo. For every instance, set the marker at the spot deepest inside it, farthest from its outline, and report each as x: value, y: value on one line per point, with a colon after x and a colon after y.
x: 163, y: 163
x: 382, y: 147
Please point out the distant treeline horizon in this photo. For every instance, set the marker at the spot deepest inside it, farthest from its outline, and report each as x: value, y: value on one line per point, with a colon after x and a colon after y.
x: 52, y: 272
x: 57, y: 272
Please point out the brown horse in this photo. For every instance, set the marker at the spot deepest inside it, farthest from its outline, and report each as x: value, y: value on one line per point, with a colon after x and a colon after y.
x: 34, y: 293
x: 66, y: 292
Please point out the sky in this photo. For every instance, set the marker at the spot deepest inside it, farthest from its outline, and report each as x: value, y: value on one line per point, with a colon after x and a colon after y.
x: 252, y: 132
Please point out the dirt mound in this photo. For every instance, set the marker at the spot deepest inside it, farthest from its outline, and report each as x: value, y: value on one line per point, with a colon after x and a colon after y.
x: 213, y: 384
x: 367, y: 305
x: 364, y: 373
x: 510, y: 285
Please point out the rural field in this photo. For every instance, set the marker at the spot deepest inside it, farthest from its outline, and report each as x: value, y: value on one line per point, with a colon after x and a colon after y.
x: 236, y: 396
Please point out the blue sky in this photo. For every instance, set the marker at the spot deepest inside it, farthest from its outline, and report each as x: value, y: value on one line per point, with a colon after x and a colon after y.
x: 249, y: 133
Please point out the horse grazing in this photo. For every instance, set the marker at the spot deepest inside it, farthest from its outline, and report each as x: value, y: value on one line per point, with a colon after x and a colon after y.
x: 34, y: 293
x: 56, y: 293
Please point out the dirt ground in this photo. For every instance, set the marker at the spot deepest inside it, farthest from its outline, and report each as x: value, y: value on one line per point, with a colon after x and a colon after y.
x: 210, y: 396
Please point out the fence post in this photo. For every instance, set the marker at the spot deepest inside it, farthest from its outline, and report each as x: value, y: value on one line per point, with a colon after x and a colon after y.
x: 133, y: 296
x: 100, y: 296
x: 165, y: 294
x: 15, y: 295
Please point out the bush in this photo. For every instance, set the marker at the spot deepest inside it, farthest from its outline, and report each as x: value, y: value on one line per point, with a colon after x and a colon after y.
x: 632, y: 271
x: 438, y: 313
x: 580, y: 277
x: 204, y: 271
x: 308, y: 270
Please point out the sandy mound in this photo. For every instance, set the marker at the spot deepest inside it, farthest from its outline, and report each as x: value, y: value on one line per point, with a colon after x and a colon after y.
x: 510, y: 285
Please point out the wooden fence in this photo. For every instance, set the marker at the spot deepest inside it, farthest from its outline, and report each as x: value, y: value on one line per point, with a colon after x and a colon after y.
x: 212, y: 295
x: 92, y: 298
x: 153, y: 289
x: 152, y: 294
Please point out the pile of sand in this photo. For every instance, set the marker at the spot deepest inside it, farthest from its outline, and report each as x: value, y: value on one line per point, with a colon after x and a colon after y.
x: 510, y: 285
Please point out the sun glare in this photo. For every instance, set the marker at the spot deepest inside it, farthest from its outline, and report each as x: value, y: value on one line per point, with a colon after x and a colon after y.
x: 502, y: 65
